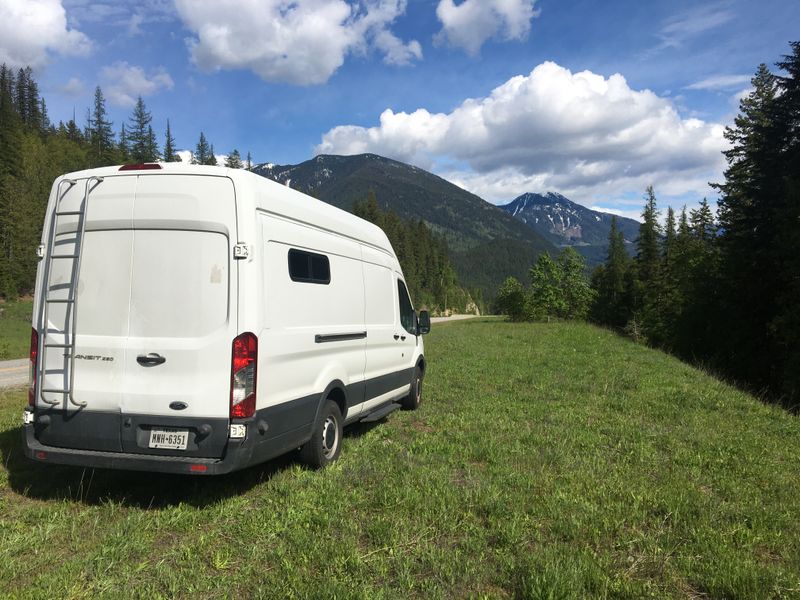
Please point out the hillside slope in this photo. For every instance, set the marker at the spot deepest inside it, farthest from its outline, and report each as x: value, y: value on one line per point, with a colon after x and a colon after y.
x: 547, y: 460
x: 473, y: 228
x: 566, y: 223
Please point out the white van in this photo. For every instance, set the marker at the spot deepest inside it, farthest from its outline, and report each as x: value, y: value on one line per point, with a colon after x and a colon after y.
x: 194, y: 319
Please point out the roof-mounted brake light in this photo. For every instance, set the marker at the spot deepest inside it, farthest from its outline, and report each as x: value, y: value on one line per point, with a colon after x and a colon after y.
x: 140, y: 167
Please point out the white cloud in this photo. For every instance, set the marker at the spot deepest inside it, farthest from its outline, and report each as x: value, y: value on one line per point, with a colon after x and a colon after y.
x: 395, y: 51
x: 719, y: 82
x: 681, y: 28
x: 30, y: 30
x: 123, y: 82
x: 74, y: 87
x: 471, y: 23
x: 577, y: 133
x: 302, y: 42
x: 186, y: 157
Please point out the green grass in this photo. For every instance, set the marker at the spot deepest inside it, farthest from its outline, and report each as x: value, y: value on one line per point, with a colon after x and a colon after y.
x: 15, y: 329
x: 547, y: 461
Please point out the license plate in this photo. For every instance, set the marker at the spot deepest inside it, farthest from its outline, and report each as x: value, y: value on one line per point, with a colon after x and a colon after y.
x: 169, y: 439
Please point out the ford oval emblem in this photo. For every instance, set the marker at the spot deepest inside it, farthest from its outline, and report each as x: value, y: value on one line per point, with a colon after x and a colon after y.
x: 178, y: 405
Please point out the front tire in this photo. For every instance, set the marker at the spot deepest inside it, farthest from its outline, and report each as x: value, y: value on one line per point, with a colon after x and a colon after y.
x: 325, y: 444
x: 414, y: 398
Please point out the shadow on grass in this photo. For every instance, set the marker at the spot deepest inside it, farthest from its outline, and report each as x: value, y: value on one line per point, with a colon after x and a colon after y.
x: 135, y: 488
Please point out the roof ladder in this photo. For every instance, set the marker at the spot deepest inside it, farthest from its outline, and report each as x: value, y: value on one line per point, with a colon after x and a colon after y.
x: 71, y: 301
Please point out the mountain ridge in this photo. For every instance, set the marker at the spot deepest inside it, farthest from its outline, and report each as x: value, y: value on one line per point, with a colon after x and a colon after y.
x: 486, y: 243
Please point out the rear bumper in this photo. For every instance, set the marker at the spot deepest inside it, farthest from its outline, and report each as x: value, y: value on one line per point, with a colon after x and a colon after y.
x: 237, y: 455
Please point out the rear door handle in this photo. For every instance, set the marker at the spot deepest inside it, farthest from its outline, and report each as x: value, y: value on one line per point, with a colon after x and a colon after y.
x: 150, y: 360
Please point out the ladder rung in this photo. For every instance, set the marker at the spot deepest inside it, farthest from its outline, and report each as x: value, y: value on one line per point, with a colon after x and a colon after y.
x: 64, y: 256
x: 58, y: 345
x: 59, y: 301
x: 69, y: 212
x: 55, y: 391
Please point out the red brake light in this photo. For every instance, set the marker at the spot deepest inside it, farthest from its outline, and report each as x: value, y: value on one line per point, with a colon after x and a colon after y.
x: 34, y: 355
x: 140, y: 167
x: 244, y: 363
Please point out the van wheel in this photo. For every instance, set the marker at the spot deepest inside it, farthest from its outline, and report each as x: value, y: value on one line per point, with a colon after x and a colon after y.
x: 325, y: 444
x: 414, y: 398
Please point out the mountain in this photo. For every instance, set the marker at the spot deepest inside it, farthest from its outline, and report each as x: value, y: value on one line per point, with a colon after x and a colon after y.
x: 566, y: 223
x: 486, y: 244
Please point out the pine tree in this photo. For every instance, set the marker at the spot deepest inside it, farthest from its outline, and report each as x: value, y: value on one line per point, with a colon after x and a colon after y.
x: 169, y: 147
x: 648, y: 270
x: 153, y: 153
x: 140, y: 134
x: 234, y: 160
x: 613, y: 303
x: 101, y: 137
x: 123, y: 147
x: 212, y: 157
x: 44, y: 119
x: 201, y: 152
x: 249, y: 163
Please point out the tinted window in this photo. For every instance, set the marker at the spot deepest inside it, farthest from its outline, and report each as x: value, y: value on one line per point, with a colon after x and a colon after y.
x: 309, y: 267
x: 406, y: 310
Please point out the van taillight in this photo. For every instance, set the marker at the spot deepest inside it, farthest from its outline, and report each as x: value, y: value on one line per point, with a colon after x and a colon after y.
x: 244, y: 362
x: 34, y: 354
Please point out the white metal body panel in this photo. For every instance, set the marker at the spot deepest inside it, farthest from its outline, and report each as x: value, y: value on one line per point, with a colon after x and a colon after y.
x: 158, y: 268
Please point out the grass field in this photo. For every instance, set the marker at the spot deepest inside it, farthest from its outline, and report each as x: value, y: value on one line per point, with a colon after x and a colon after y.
x: 15, y: 329
x: 547, y: 461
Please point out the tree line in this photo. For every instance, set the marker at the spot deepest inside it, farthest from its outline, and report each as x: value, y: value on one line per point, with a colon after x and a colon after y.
x: 424, y: 258
x: 718, y: 290
x: 34, y: 151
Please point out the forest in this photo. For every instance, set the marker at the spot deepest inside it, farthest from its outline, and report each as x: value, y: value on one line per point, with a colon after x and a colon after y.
x: 424, y: 257
x: 719, y: 290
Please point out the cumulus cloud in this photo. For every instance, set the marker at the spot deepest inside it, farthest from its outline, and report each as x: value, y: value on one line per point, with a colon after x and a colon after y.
x: 550, y: 130
x: 124, y: 82
x: 31, y: 30
x: 471, y: 23
x: 302, y: 42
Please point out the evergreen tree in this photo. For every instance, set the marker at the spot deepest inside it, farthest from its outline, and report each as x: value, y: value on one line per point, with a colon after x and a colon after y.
x: 101, y: 136
x: 249, y: 163
x: 142, y: 141
x: 153, y: 153
x: 648, y: 270
x: 211, y: 160
x: 202, y: 151
x: 169, y: 147
x: 612, y: 305
x: 234, y: 160
x: 123, y: 148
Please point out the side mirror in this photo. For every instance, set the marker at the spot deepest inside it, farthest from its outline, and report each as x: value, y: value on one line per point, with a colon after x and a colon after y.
x: 423, y: 323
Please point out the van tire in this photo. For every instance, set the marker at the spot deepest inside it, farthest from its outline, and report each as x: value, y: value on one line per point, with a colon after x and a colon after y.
x: 414, y: 398
x: 325, y: 444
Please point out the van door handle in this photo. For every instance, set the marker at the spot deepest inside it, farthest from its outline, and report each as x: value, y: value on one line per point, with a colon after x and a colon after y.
x: 396, y: 337
x: 150, y: 360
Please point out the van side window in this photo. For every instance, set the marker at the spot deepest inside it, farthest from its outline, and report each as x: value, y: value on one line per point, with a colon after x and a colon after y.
x: 406, y: 310
x: 309, y: 267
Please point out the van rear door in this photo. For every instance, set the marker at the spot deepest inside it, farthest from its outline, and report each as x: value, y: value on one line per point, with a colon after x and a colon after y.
x: 182, y: 317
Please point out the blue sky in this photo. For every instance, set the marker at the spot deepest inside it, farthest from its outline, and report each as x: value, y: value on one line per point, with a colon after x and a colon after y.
x: 593, y: 100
